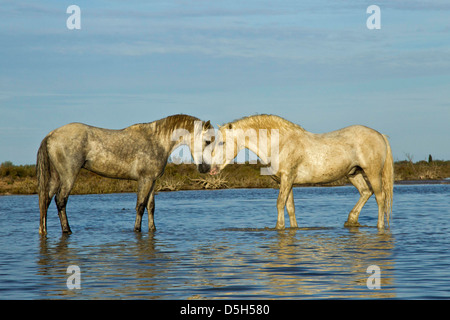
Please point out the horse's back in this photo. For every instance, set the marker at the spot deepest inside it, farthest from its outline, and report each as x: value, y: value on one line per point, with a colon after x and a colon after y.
x: 364, y: 137
x: 365, y: 144
x: 70, y: 136
x: 80, y: 133
x: 100, y: 150
x: 352, y: 132
x: 328, y: 156
x: 353, y: 137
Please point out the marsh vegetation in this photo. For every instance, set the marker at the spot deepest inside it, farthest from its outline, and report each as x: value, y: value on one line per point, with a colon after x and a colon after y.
x: 21, y: 179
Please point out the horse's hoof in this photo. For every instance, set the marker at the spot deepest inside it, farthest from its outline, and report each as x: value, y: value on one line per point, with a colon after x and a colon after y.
x: 348, y: 224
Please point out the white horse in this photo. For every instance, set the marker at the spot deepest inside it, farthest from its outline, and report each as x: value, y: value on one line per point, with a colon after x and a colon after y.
x: 300, y: 157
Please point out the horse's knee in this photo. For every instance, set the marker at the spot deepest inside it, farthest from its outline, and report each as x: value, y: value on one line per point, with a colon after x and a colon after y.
x: 281, y: 203
x: 61, y: 205
x: 140, y: 208
x: 61, y: 198
x: 366, y: 193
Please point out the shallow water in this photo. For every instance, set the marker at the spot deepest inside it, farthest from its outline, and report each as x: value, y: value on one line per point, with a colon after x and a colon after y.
x: 221, y: 244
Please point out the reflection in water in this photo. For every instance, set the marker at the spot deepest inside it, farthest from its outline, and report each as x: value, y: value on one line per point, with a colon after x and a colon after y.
x: 304, y: 262
x: 53, y: 262
x: 298, y: 264
x: 202, y: 249
x: 106, y: 270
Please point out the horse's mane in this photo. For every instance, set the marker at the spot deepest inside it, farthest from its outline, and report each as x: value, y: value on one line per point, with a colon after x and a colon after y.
x: 170, y: 123
x: 264, y: 121
x: 178, y: 121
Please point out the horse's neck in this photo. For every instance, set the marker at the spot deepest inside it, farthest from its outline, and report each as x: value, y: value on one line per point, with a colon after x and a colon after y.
x: 270, y: 140
x: 166, y: 137
x: 262, y: 145
x: 179, y: 136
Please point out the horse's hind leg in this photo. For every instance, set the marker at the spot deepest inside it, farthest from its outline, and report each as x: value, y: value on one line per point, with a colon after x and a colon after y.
x: 145, y: 188
x: 44, y: 204
x: 365, y: 192
x: 290, y: 206
x: 61, y: 202
x: 285, y: 190
x: 376, y: 183
x: 61, y: 198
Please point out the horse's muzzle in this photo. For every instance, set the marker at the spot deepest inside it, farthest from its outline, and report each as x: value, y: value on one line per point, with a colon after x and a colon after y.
x: 214, y: 170
x: 203, y: 168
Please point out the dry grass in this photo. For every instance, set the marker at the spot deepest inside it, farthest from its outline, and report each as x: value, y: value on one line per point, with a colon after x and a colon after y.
x: 422, y: 170
x: 218, y: 181
x: 169, y: 183
x: 18, y: 186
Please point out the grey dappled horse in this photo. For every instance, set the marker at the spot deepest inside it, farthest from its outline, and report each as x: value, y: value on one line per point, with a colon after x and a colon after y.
x: 139, y: 152
x: 305, y: 157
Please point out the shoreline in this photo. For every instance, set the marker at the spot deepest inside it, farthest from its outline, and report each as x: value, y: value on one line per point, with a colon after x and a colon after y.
x: 398, y: 183
x: 414, y: 182
x: 16, y: 180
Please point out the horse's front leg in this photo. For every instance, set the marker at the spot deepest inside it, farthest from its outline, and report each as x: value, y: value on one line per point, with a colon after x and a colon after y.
x: 151, y: 211
x: 285, y: 189
x: 145, y: 187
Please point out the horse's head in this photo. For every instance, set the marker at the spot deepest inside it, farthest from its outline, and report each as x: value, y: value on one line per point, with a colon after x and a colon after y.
x: 197, y: 135
x: 201, y: 138
x: 224, y: 149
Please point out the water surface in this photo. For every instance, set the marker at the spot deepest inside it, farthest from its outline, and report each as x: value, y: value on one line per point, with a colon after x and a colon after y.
x: 221, y: 245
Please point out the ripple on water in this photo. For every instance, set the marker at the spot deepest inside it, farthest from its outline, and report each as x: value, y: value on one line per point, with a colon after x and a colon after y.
x: 223, y: 245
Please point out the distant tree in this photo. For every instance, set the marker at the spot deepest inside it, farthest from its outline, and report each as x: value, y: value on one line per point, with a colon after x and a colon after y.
x: 7, y: 164
x: 430, y: 159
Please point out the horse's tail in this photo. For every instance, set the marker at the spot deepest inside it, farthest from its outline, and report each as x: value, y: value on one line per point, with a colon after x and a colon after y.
x: 43, y: 173
x: 388, y: 181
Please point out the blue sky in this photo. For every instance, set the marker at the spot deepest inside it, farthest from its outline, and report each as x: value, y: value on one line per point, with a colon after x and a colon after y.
x: 314, y: 63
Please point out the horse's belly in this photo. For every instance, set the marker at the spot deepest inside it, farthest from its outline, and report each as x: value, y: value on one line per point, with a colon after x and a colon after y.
x: 110, y: 170
x: 316, y: 173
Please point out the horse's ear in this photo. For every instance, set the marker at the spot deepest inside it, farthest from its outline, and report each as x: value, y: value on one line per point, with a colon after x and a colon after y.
x: 207, y: 124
